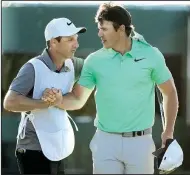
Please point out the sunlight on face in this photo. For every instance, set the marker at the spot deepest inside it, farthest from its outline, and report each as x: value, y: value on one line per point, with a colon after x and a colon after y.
x: 107, y: 34
x: 67, y: 46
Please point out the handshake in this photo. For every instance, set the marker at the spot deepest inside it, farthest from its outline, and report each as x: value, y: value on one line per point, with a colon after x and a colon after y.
x: 52, y: 96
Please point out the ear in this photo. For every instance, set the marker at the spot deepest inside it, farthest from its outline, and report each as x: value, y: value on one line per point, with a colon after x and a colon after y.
x: 122, y: 28
x: 53, y: 42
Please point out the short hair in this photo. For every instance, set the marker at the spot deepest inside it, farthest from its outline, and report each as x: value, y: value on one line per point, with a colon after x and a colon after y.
x: 48, y: 42
x: 116, y: 14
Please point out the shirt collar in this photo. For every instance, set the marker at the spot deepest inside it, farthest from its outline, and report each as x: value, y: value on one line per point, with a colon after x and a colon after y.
x: 131, y: 52
x: 48, y: 61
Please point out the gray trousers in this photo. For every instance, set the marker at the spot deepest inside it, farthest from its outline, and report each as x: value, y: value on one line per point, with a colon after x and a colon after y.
x: 115, y: 154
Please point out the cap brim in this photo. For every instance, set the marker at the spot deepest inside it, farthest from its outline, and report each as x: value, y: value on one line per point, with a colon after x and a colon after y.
x: 81, y: 30
x: 159, y: 153
x: 77, y: 31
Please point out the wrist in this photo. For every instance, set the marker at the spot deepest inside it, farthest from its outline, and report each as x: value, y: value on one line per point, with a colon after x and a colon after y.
x: 45, y: 104
x: 58, y: 104
x: 169, y: 130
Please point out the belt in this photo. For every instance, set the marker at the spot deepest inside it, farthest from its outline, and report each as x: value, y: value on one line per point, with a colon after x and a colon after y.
x: 23, y: 150
x: 135, y: 133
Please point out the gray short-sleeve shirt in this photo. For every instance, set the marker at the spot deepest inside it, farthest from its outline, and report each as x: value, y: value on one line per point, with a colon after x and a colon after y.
x: 23, y: 83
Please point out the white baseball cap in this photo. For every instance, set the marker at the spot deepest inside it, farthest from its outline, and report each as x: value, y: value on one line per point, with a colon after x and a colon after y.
x: 171, y: 157
x: 61, y: 27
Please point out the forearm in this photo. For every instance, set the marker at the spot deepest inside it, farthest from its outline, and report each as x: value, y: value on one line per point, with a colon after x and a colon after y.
x: 21, y: 103
x: 70, y: 102
x: 170, y: 104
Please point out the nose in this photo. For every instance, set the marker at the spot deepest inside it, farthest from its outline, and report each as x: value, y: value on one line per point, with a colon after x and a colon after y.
x: 76, y: 45
x: 100, y: 33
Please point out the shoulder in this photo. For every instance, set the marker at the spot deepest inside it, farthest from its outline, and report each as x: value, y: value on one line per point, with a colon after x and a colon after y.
x: 148, y: 49
x: 156, y: 55
x: 157, y: 52
x: 145, y: 48
x: 35, y: 59
x: 28, y: 66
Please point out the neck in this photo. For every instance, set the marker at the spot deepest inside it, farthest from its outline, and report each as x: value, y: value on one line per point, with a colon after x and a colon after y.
x: 57, y: 59
x: 124, y: 45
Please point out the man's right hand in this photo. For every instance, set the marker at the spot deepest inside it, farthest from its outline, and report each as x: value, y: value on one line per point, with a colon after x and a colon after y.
x: 48, y: 95
x: 52, y: 96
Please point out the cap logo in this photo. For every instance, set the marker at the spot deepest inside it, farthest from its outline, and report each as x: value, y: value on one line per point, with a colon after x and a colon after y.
x: 69, y: 23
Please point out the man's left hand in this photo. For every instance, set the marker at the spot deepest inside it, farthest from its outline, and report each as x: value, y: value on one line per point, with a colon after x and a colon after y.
x: 166, y: 135
x: 58, y: 96
x: 54, y: 93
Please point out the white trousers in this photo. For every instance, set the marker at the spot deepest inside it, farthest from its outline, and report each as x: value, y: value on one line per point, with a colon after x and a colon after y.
x: 115, y: 154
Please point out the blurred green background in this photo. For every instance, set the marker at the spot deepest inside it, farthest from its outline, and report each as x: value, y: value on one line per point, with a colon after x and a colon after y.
x: 23, y: 37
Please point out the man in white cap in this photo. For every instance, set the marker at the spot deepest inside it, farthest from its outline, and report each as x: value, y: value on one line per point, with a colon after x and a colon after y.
x: 45, y: 135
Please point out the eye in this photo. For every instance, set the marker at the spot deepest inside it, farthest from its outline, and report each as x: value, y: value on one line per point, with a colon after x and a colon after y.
x: 104, y: 29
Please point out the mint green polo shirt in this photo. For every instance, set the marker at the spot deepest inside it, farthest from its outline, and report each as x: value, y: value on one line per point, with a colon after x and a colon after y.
x: 125, y: 84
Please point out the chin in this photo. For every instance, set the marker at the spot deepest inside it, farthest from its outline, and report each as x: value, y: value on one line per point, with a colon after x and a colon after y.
x: 106, y: 46
x: 71, y: 56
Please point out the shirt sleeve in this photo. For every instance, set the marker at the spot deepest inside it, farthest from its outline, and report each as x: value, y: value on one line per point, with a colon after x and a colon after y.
x: 160, y: 72
x: 24, y: 81
x: 87, y: 78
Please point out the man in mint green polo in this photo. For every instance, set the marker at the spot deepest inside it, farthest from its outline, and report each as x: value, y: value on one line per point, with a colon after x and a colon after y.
x: 124, y: 73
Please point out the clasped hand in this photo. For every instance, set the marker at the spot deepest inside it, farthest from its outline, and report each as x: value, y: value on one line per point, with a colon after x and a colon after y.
x: 52, y: 96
